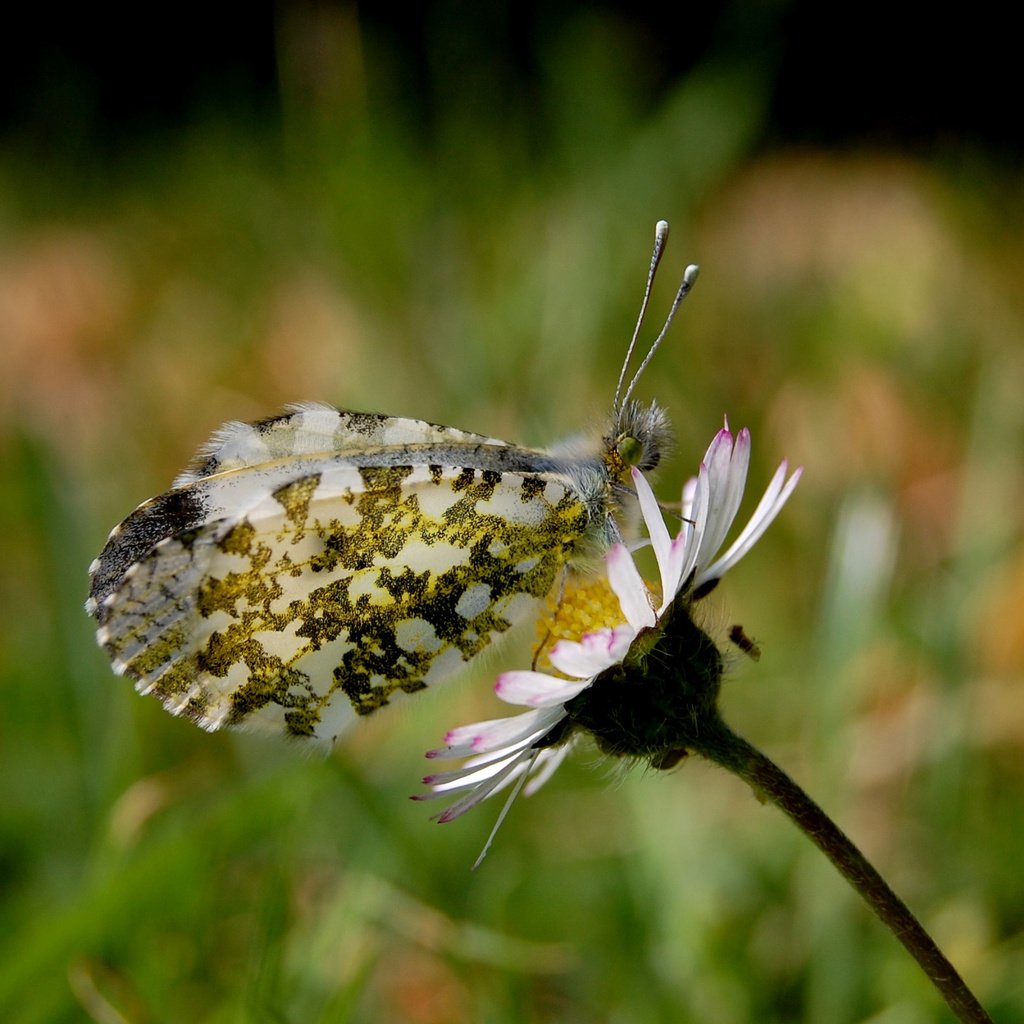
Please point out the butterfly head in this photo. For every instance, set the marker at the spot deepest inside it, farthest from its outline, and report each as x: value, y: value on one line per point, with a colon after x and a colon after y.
x: 639, y: 437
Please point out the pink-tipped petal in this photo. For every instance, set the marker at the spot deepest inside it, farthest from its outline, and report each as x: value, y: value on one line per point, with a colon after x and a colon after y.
x: 536, y: 689
x: 480, y: 736
x: 719, y: 452
x: 464, y: 735
x: 727, y: 475
x: 593, y: 653
x: 518, y: 729
x: 470, y: 774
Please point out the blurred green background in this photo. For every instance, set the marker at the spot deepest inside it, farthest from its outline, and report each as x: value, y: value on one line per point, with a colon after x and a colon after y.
x: 448, y: 215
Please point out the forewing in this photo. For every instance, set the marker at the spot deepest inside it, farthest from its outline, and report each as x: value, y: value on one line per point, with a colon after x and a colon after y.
x: 309, y: 428
x: 325, y: 594
x: 243, y: 462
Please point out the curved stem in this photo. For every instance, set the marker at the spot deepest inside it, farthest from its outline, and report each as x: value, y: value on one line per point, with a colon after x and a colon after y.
x: 721, y: 745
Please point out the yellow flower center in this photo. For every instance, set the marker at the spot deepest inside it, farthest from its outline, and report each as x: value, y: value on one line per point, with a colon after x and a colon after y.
x: 585, y: 604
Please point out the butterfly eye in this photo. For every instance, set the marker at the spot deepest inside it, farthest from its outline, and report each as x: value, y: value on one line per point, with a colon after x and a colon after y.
x: 630, y: 450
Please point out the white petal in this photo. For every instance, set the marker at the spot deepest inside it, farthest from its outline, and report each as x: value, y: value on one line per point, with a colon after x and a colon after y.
x: 498, y: 781
x: 689, y: 490
x: 547, y: 763
x: 698, y: 515
x: 474, y: 772
x: 629, y: 588
x: 482, y: 737
x: 768, y: 508
x: 536, y: 689
x: 651, y: 511
x: 670, y: 554
x: 673, y: 574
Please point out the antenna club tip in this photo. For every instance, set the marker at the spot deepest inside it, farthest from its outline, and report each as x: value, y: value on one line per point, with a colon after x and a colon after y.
x: 661, y: 228
x: 690, y: 273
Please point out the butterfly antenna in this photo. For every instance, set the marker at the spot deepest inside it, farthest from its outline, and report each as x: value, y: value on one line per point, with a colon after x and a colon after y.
x: 660, y: 240
x: 689, y: 277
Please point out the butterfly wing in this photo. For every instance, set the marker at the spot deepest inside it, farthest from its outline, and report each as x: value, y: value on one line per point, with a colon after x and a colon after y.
x: 294, y: 592
x: 312, y: 427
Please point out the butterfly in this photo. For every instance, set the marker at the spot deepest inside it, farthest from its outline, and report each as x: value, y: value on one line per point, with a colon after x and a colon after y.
x: 307, y: 569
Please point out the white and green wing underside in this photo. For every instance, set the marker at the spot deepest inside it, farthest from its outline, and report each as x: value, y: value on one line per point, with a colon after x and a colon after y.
x: 309, y: 568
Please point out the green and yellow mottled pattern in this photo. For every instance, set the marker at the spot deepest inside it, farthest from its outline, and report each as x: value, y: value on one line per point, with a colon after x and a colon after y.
x: 346, y: 587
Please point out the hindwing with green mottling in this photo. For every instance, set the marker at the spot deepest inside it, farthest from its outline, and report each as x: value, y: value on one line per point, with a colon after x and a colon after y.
x: 307, y: 569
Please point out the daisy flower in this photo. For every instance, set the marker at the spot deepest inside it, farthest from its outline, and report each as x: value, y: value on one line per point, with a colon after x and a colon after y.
x: 647, y: 687
x: 595, y: 690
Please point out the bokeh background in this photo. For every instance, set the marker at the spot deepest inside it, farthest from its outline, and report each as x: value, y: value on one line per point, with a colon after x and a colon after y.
x: 447, y: 213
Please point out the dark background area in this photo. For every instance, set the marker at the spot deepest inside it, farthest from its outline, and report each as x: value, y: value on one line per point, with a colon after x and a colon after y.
x: 838, y: 74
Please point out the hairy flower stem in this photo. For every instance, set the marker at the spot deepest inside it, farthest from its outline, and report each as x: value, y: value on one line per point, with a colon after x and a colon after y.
x: 720, y: 744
